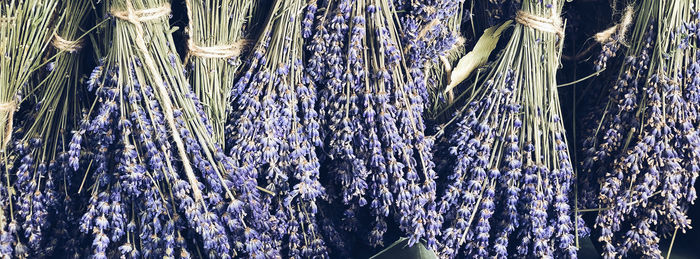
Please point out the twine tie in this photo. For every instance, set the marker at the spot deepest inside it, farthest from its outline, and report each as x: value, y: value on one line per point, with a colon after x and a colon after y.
x: 220, y: 51
x: 551, y: 25
x: 66, y: 45
x: 143, y: 15
x: 8, y: 107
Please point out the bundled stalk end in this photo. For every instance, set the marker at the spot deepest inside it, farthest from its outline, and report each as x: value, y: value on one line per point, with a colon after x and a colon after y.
x: 215, y: 49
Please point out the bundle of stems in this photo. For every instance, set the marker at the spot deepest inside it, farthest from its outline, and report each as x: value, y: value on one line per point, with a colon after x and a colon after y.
x: 277, y: 130
x: 43, y: 177
x: 216, y: 30
x: 371, y: 121
x: 508, y: 192
x: 641, y: 160
x: 148, y: 197
x: 25, y: 31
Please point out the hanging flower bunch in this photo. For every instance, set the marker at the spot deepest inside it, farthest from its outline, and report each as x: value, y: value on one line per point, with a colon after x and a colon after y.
x: 347, y: 128
x: 277, y: 131
x: 215, y: 48
x: 43, y: 176
x: 641, y: 161
x: 509, y: 189
x: 370, y: 106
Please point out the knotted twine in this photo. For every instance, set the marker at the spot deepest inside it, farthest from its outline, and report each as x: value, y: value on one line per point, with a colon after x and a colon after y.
x: 620, y: 29
x: 66, y: 45
x: 214, y: 51
x: 551, y: 25
x: 136, y: 17
x: 220, y: 51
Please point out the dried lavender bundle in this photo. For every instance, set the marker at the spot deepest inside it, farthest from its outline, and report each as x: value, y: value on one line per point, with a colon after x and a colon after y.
x: 508, y: 193
x: 277, y: 131
x: 370, y: 113
x: 42, y: 175
x: 641, y: 161
x: 25, y: 32
x: 216, y: 29
x: 148, y: 197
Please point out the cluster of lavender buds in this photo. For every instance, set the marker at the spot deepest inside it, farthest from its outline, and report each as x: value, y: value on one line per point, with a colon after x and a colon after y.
x: 42, y: 175
x: 507, y: 192
x: 277, y: 132
x: 157, y: 182
x: 433, y: 43
x: 641, y: 161
x: 370, y: 110
x: 430, y: 30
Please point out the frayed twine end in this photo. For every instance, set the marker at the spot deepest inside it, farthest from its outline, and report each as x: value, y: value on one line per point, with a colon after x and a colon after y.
x: 551, y: 25
x: 620, y: 29
x: 66, y: 45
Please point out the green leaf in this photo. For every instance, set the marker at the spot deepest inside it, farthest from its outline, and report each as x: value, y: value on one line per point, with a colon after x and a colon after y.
x: 401, y: 250
x: 478, y: 56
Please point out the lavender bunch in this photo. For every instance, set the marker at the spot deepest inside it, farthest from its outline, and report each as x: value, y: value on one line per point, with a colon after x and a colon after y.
x: 641, y: 161
x: 42, y: 176
x: 148, y: 197
x: 216, y: 29
x: 371, y: 120
x: 277, y: 131
x: 509, y: 191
